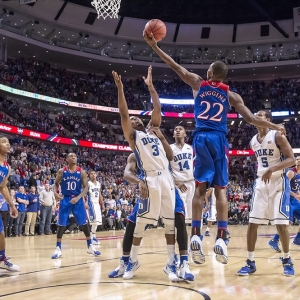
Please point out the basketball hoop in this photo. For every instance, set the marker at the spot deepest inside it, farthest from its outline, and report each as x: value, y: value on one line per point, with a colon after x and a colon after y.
x: 107, y: 8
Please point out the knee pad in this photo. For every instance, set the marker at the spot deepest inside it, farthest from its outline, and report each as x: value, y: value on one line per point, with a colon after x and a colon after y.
x: 139, y: 230
x: 169, y: 228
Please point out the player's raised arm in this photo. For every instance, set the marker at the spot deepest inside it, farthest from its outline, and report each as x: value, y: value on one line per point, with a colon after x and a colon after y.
x: 6, y: 195
x: 287, y: 152
x: 192, y: 79
x: 237, y: 102
x: 56, y: 184
x: 156, y: 113
x: 130, y: 175
x: 123, y: 111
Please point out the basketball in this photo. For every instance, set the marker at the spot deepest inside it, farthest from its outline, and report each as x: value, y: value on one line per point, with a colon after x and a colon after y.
x: 157, y: 27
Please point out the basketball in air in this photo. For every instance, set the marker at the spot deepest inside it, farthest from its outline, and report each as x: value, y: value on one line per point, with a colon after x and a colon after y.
x: 157, y: 27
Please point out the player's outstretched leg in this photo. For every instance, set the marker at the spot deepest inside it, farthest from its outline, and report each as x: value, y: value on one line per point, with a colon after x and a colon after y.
x: 93, y: 232
x: 184, y: 272
x: 223, y: 235
x: 274, y: 243
x: 57, y: 252
x: 250, y: 266
x: 90, y: 248
x: 288, y: 268
x: 4, y: 261
x: 127, y: 243
x: 195, y: 248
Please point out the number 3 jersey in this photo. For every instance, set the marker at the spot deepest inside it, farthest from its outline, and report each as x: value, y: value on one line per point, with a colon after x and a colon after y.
x: 149, y: 152
x: 71, y: 183
x: 267, y: 153
x: 182, y: 164
x: 211, y: 106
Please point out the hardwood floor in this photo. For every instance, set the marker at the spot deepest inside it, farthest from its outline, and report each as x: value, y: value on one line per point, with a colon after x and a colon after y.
x: 80, y: 276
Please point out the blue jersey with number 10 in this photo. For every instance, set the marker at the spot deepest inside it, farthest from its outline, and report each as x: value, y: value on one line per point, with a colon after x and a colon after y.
x: 71, y: 183
x: 212, y: 106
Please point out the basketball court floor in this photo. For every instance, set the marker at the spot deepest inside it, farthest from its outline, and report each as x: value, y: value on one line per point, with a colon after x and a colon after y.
x: 80, y: 276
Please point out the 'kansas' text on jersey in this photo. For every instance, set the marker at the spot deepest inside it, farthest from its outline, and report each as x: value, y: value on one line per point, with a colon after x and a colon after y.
x: 211, y: 106
x: 71, y: 183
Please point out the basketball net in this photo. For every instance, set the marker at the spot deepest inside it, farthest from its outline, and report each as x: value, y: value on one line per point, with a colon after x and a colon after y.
x: 107, y: 8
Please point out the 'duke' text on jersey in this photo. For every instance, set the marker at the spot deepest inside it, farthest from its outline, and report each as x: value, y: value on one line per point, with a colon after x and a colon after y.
x: 264, y: 152
x: 149, y: 140
x: 182, y: 156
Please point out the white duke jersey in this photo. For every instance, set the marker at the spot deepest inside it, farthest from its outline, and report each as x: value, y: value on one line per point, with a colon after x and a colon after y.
x: 94, y: 190
x: 150, y: 153
x: 182, y: 165
x: 267, y: 153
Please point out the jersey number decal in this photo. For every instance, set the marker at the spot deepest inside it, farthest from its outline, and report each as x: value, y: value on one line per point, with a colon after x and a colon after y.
x: 184, y: 166
x: 96, y: 194
x: 155, y: 150
x: 71, y: 186
x: 208, y: 106
x: 264, y: 162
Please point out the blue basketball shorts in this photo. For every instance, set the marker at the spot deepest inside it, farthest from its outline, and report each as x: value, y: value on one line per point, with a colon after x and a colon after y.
x: 294, y: 209
x: 142, y: 204
x: 66, y: 208
x: 211, y: 158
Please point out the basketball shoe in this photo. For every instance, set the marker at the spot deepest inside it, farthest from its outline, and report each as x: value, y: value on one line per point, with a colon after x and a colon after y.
x: 91, y: 250
x: 184, y: 272
x: 57, y: 253
x: 119, y: 270
x: 7, y: 265
x: 171, y: 271
x: 130, y: 269
x: 248, y: 269
x: 207, y: 233
x: 296, y: 241
x: 195, y: 250
x: 288, y: 269
x: 221, y: 250
x: 95, y: 241
x: 274, y: 244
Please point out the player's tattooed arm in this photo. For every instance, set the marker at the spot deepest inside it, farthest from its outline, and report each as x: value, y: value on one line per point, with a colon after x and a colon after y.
x: 166, y: 145
x: 56, y: 184
x: 130, y: 175
x: 287, y: 152
x: 156, y: 113
x: 192, y: 79
x: 123, y: 111
x: 237, y: 102
x: 6, y: 195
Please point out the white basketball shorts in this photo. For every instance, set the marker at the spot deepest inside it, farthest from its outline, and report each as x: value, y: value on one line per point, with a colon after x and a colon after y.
x: 94, y: 213
x: 161, y: 201
x: 187, y: 198
x: 270, y: 201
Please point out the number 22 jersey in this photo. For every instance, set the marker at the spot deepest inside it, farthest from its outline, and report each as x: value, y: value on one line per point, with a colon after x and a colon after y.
x: 212, y: 106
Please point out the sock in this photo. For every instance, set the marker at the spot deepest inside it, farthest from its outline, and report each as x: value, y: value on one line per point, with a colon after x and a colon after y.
x: 286, y: 255
x: 276, y: 237
x: 125, y: 258
x: 89, y: 242
x: 2, y: 255
x: 207, y: 229
x: 134, y: 253
x: 222, y: 225
x: 250, y: 255
x: 58, y: 244
x: 297, y: 236
x: 196, y: 226
x: 93, y: 230
x: 171, y: 254
x: 183, y: 258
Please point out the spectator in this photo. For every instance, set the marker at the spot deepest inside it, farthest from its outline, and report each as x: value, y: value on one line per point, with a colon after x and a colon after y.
x: 22, y: 200
x: 33, y: 210
x: 47, y: 204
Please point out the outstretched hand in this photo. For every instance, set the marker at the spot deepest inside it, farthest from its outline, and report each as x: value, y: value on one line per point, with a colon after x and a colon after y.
x: 117, y: 79
x: 148, y: 80
x: 150, y: 40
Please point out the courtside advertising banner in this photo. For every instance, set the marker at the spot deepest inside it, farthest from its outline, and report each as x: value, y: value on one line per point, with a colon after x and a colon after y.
x: 296, y: 11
